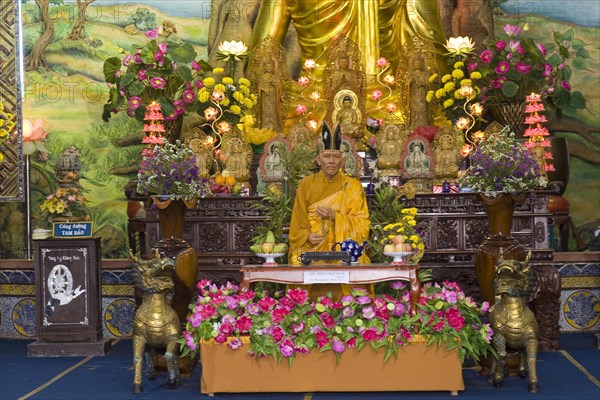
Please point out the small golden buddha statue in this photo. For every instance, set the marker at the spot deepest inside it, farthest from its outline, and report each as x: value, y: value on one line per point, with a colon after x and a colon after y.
x: 447, y: 157
x: 390, y: 154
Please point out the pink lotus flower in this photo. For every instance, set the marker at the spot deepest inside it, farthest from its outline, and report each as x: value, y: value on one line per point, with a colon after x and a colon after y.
x: 382, y: 62
x: 376, y: 94
x: 211, y: 113
x: 301, y: 109
x: 512, y: 30
x: 391, y: 107
x: 310, y: 64
x: 303, y: 81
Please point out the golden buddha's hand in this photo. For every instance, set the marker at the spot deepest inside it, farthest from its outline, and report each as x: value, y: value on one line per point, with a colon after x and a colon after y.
x: 325, y: 213
x: 314, y: 239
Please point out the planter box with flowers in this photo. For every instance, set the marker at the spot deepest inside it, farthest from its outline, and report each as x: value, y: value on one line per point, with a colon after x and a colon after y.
x: 358, y: 343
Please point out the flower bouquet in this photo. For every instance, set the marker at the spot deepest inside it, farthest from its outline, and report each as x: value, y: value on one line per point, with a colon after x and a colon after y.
x: 169, y: 171
x: 501, y: 164
x: 167, y: 73
x: 515, y: 65
x: 285, y: 325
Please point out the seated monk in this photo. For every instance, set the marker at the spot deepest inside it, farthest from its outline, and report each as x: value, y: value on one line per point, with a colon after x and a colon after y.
x: 330, y: 207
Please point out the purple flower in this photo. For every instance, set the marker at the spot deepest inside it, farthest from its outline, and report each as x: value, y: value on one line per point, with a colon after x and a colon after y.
x: 486, y: 56
x: 188, y: 96
x: 286, y: 350
x: 159, y: 56
x: 157, y: 82
x: 142, y: 74
x: 502, y: 67
x: 162, y: 47
x: 152, y: 34
x: 135, y: 102
x: 542, y: 48
x: 234, y: 344
x: 137, y: 58
x: 196, y: 66
x: 547, y: 70
x: 565, y: 85
x: 500, y: 45
x: 127, y: 60
x: 485, y: 306
x: 398, y: 285
x: 523, y: 67
x: 347, y: 312
x: 189, y: 340
x: 363, y: 300
x: 512, y: 30
x: 368, y: 313
x: 338, y: 346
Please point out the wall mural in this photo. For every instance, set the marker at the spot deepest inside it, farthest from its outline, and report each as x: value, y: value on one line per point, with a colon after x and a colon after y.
x: 65, y: 44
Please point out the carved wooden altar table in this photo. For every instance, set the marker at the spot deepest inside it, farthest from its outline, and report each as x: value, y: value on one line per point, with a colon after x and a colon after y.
x: 328, y: 273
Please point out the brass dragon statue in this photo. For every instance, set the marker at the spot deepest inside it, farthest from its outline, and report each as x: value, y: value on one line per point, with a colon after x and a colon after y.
x: 156, y: 324
x: 514, y: 324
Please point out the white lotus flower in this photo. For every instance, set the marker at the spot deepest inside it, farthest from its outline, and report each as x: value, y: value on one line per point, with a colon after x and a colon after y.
x: 459, y: 46
x: 233, y: 48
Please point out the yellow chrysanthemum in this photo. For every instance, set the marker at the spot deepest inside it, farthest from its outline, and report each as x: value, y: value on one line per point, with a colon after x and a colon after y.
x: 466, y: 82
x: 218, y: 70
x: 421, y: 246
x: 248, y: 103
x: 1, y: 123
x: 475, y: 75
x: 220, y: 87
x: 459, y: 64
x: 244, y: 81
x: 245, y: 90
x: 3, y: 132
x: 227, y: 81
x: 429, y: 96
x: 433, y: 77
x: 225, y: 102
x: 235, y: 109
x: 446, y: 78
x: 439, y: 93
x: 449, y: 86
x: 238, y: 96
x: 448, y: 103
x: 209, y: 82
x: 458, y: 74
x: 203, y: 95
x: 414, y: 238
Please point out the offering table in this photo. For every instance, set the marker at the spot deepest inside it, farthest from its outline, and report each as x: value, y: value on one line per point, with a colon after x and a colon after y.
x: 332, y: 273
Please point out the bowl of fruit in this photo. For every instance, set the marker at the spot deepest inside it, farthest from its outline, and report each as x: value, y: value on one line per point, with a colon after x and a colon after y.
x: 269, y: 250
x: 398, y: 250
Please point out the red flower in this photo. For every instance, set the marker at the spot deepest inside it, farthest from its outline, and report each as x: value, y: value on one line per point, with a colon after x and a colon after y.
x: 298, y: 296
x: 243, y: 324
x: 226, y: 329
x: 455, y: 320
x: 371, y: 334
x: 327, y: 320
x: 266, y: 304
x: 278, y: 334
x: 322, y: 339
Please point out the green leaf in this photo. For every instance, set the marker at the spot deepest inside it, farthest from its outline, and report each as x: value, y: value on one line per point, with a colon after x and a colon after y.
x: 579, y: 64
x: 127, y: 79
x: 577, y: 44
x: 563, y: 52
x: 110, y: 68
x: 583, y: 53
x: 185, y: 72
x: 510, y: 89
x: 568, y: 35
x: 166, y: 105
x: 136, y: 88
x: 577, y: 100
x: 181, y: 54
x: 554, y: 60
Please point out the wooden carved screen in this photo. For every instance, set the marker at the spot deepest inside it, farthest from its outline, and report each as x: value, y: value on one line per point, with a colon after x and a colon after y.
x: 11, y: 174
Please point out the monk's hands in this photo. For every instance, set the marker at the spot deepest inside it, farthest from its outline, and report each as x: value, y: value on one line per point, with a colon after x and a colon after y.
x: 314, y: 239
x: 326, y: 213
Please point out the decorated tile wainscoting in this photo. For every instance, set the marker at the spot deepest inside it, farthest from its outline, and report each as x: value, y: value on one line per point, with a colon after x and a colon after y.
x: 579, y: 307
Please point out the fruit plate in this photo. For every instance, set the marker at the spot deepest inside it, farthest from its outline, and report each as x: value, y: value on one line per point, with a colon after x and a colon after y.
x: 270, y: 258
x: 398, y: 256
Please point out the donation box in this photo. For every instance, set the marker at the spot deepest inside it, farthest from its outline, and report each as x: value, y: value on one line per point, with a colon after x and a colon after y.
x: 67, y: 290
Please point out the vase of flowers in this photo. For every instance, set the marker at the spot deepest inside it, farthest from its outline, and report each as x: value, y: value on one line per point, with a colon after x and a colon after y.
x: 169, y: 176
x: 515, y: 65
x: 501, y: 171
x: 164, y: 72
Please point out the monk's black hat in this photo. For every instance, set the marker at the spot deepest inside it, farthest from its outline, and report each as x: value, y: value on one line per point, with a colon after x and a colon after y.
x: 329, y: 140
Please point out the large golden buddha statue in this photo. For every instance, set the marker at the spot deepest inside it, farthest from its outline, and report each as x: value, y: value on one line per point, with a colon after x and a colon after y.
x: 379, y: 28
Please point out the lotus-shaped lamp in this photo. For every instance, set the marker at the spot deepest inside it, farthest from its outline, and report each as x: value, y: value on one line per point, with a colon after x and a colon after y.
x: 33, y: 134
x: 459, y: 46
x: 233, y: 48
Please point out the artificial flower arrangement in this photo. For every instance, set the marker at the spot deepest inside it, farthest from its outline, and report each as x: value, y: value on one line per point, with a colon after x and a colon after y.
x: 515, y: 65
x: 165, y: 72
x: 225, y: 103
x: 6, y: 125
x: 169, y: 170
x: 500, y: 164
x: 457, y: 92
x: 284, y: 325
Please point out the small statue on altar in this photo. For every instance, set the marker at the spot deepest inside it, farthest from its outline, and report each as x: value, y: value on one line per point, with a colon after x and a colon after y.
x: 389, y: 158
x: 447, y: 157
x: 417, y: 161
x: 345, y: 77
x: 348, y: 118
x: 238, y: 155
x: 274, y: 169
x: 269, y: 97
x: 300, y: 135
x: 418, y: 92
x: 203, y: 157
x: 351, y: 164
